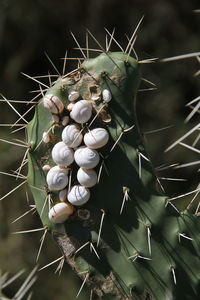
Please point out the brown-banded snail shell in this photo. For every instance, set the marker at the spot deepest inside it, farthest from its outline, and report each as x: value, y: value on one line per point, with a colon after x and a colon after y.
x: 53, y: 104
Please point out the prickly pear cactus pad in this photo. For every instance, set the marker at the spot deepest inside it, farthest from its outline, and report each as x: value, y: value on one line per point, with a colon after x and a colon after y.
x: 95, y: 188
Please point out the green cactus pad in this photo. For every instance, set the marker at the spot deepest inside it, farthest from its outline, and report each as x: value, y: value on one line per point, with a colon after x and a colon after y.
x: 126, y: 242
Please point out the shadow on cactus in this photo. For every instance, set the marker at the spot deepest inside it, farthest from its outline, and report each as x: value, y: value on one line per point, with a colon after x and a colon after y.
x: 95, y: 188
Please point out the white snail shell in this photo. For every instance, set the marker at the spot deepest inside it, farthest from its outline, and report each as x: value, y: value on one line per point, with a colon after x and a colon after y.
x: 72, y: 136
x: 65, y: 120
x: 81, y: 111
x: 70, y: 106
x: 60, y: 212
x: 106, y: 95
x: 87, y: 177
x: 63, y: 195
x: 57, y: 178
x: 53, y: 104
x: 46, y: 168
x: 45, y: 137
x: 96, y: 138
x: 62, y: 154
x: 78, y: 195
x: 73, y: 96
x: 86, y: 158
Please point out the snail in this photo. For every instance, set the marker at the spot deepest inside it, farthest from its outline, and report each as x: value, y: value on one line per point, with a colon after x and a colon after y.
x: 46, y: 168
x: 86, y: 158
x: 106, y: 94
x: 53, y: 104
x: 63, y: 195
x: 72, y: 136
x: 57, y: 178
x: 60, y: 212
x: 65, y: 120
x: 81, y: 111
x: 87, y: 177
x: 73, y: 96
x: 62, y: 154
x: 45, y: 137
x: 96, y: 138
x: 78, y: 195
x: 70, y: 106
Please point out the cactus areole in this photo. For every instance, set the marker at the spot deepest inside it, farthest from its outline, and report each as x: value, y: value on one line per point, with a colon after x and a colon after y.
x: 128, y: 244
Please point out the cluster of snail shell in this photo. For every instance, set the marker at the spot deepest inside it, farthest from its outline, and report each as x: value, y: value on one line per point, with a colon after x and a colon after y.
x: 83, y: 149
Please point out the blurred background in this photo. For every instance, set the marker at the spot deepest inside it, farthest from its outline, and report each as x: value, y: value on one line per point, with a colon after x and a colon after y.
x: 28, y: 29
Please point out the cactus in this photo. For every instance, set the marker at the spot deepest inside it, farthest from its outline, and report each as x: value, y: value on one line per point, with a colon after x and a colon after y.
x: 129, y: 241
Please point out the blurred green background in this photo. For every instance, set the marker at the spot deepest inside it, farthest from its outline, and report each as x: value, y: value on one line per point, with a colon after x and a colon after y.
x: 30, y: 28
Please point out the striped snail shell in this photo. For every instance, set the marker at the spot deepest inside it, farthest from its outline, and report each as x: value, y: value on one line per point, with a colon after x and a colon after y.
x: 78, y: 195
x: 60, y: 212
x: 62, y: 154
x: 106, y: 94
x: 87, y: 177
x: 96, y: 138
x: 53, y: 104
x: 57, y: 178
x: 81, y: 111
x: 72, y: 136
x: 86, y: 158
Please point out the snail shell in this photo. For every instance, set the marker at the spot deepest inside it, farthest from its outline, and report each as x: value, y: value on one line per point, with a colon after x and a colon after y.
x: 70, y: 106
x: 63, y: 195
x: 45, y: 137
x: 46, y: 168
x: 72, y: 136
x: 78, y: 195
x: 62, y: 154
x: 73, y: 96
x: 65, y: 120
x: 106, y: 94
x: 87, y: 177
x: 96, y: 138
x: 53, y: 104
x: 86, y: 158
x: 60, y: 212
x: 57, y: 178
x: 81, y: 111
